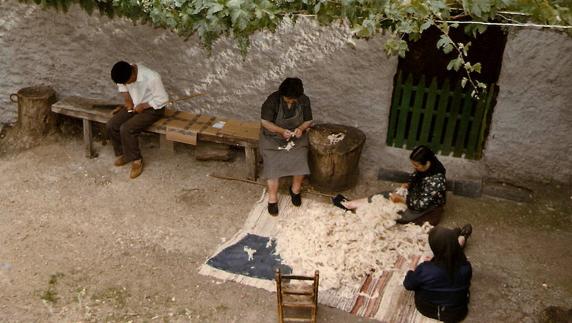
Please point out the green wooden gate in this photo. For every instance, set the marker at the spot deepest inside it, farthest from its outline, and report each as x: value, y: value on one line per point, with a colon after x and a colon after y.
x: 445, y: 117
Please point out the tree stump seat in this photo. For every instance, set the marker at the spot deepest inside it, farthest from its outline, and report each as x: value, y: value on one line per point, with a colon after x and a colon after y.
x: 335, y: 151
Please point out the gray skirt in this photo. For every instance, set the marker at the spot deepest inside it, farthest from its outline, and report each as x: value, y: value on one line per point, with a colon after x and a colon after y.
x: 279, y: 163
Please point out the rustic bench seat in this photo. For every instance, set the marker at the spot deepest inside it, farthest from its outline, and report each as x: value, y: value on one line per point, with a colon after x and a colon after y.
x: 175, y: 126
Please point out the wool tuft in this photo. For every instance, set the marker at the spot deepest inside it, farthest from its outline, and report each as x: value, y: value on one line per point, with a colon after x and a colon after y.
x: 345, y: 247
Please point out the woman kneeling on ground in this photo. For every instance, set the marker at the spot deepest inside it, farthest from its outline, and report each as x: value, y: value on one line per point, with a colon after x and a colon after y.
x: 286, y: 114
x: 442, y: 284
x: 425, y: 189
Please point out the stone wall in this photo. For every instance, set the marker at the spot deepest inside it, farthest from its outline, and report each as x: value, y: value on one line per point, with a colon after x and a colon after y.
x: 349, y: 81
x: 531, y: 130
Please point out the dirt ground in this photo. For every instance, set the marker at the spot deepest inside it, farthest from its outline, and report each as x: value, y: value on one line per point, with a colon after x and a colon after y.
x: 82, y: 242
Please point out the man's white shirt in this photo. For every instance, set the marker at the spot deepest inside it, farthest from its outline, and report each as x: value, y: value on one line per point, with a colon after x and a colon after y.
x: 147, y: 88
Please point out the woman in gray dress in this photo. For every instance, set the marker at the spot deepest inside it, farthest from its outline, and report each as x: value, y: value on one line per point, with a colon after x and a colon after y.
x: 286, y: 115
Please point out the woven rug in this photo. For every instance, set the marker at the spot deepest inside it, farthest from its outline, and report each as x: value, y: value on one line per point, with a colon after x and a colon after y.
x: 380, y: 296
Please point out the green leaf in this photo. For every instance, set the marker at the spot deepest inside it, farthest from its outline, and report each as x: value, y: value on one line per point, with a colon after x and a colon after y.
x: 443, y: 41
x: 464, y: 82
x: 426, y: 25
x: 455, y: 64
x: 214, y: 8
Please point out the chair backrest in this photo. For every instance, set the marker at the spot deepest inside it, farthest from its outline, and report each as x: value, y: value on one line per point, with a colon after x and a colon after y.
x: 303, y: 296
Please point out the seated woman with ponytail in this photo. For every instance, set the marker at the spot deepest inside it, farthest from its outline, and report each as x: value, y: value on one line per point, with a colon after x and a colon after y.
x: 441, y: 285
x: 424, y: 193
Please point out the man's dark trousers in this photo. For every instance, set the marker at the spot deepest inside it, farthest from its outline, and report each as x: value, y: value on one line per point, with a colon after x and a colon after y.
x: 124, y: 129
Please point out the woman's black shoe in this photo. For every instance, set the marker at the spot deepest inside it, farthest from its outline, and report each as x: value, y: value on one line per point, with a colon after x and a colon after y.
x: 466, y: 231
x: 273, y: 209
x: 296, y: 198
x: 337, y: 201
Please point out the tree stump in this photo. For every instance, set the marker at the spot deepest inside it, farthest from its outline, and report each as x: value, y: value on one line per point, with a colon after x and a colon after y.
x: 335, y: 151
x: 34, y: 109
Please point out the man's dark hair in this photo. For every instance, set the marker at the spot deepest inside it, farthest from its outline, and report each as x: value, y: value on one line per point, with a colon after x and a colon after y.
x: 121, y: 72
x: 291, y: 87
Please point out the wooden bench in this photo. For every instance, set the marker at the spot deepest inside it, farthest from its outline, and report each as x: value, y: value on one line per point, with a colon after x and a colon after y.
x: 176, y: 126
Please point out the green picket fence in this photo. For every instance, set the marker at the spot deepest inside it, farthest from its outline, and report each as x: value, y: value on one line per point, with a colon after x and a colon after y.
x: 445, y: 118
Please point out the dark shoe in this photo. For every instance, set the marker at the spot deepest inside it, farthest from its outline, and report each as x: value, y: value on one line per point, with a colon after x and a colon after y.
x: 296, y: 198
x: 466, y: 231
x: 409, y: 216
x: 273, y: 209
x: 136, y: 168
x: 337, y: 201
x: 120, y: 161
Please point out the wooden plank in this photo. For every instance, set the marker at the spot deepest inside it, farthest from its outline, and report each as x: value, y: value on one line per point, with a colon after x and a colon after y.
x: 429, y: 111
x: 97, y: 117
x: 250, y: 154
x: 186, y: 131
x: 394, y: 110
x: 211, y: 130
x: 178, y: 124
x: 180, y: 135
x: 436, y: 142
x: 184, y: 115
x: 463, y: 127
x: 88, y: 139
x: 417, y: 113
x: 403, y: 112
x: 84, y: 108
x: 247, y: 130
x: 485, y: 118
x: 201, y: 123
x: 452, y: 120
x: 298, y: 319
x: 170, y: 112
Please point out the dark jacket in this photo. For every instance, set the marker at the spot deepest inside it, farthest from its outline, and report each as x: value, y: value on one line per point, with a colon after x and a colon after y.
x: 436, y: 296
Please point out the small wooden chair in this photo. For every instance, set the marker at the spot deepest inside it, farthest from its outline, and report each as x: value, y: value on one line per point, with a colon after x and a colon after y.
x: 297, y: 296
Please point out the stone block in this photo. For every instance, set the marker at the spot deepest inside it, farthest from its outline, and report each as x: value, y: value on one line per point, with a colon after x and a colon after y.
x: 467, y: 187
x: 390, y: 175
x: 507, y: 191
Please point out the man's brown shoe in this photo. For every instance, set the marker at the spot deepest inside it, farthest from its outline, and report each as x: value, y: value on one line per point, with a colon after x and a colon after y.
x: 136, y: 168
x: 120, y: 161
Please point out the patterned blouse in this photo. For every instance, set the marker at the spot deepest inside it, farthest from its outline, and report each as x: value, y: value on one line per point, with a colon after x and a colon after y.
x: 430, y: 192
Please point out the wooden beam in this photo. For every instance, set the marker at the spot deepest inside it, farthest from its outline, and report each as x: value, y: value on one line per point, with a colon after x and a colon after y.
x: 88, y: 139
x: 250, y: 154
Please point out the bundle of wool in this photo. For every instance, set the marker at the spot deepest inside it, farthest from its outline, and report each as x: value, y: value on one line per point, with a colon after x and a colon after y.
x: 345, y: 247
x: 335, y: 138
x: 287, y: 146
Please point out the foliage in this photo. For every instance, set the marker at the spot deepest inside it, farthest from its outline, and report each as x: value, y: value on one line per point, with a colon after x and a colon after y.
x: 211, y: 19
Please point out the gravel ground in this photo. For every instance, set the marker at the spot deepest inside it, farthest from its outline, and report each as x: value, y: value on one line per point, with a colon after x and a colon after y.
x: 82, y: 242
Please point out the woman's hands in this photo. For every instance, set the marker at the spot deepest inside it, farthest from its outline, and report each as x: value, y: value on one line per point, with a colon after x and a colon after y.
x: 298, y: 132
x: 287, y: 134
x: 396, y: 198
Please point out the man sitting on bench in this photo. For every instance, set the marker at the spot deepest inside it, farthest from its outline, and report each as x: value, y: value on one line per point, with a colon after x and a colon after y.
x: 145, y: 100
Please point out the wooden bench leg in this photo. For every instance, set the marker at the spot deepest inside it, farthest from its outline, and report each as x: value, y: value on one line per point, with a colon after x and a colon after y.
x: 166, y: 146
x: 88, y: 139
x: 250, y: 156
